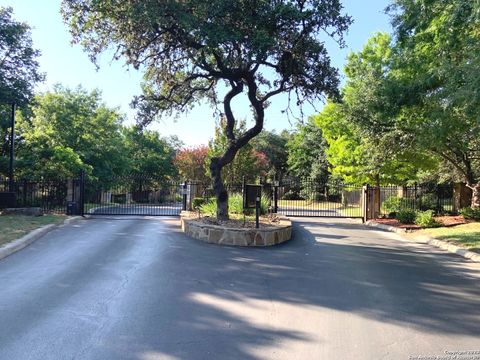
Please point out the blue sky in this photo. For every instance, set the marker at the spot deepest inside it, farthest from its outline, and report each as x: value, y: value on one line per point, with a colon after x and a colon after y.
x: 70, y: 66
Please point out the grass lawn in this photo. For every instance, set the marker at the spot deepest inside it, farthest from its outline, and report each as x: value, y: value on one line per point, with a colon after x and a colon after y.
x: 467, y: 235
x: 15, y: 226
x: 354, y: 211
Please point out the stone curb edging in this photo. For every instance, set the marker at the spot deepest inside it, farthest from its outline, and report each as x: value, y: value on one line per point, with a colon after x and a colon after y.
x: 220, y: 235
x: 32, y: 236
x: 425, y: 239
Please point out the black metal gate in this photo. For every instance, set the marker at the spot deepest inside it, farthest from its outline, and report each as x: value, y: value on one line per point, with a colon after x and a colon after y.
x: 132, y: 195
x: 312, y: 198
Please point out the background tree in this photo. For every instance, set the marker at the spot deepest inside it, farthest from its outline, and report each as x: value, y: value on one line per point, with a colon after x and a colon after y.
x: 191, y: 163
x: 193, y: 49
x: 438, y: 57
x: 70, y: 130
x: 306, y: 153
x: 358, y: 159
x: 19, y: 72
x: 147, y: 153
x: 274, y: 146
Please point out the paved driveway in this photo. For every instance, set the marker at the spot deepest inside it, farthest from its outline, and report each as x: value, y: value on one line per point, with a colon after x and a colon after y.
x: 137, y: 288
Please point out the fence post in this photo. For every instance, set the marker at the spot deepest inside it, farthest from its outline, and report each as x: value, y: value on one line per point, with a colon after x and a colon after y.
x: 275, y: 197
x: 365, y: 192
x: 184, y: 199
x: 81, y: 198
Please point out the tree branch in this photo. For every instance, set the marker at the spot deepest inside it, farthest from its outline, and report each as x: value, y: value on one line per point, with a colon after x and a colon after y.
x: 237, y: 88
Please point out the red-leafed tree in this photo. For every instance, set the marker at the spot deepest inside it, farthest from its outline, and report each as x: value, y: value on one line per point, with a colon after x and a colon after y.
x: 191, y: 163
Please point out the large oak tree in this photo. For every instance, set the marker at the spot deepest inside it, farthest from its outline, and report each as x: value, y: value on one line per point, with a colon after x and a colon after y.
x: 196, y: 49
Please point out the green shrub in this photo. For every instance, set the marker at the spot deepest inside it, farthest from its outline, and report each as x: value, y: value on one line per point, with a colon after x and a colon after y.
x: 209, y: 208
x: 292, y: 195
x: 406, y: 216
x: 198, y: 202
x: 425, y: 219
x: 428, y: 202
x: 235, y: 205
x: 395, y: 204
x: 470, y: 214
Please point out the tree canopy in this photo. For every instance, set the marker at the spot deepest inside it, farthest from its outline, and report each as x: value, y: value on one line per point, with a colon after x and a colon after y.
x: 19, y: 72
x: 194, y: 49
x: 19, y: 68
x: 306, y: 153
x: 70, y: 130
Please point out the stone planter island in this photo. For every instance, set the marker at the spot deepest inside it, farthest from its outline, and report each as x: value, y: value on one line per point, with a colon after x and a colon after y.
x: 232, y: 233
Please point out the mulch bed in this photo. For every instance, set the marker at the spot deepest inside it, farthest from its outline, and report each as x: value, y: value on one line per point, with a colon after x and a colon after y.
x: 268, y: 221
x: 444, y: 220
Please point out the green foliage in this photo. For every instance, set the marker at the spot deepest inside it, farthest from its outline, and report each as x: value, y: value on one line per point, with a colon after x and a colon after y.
x: 429, y: 202
x: 209, y: 208
x: 69, y: 130
x: 406, y: 216
x: 425, y: 219
x: 19, y: 73
x: 394, y: 204
x: 235, y: 205
x: 470, y: 214
x: 274, y: 146
x: 148, y: 153
x: 198, y: 202
x: 72, y: 122
x: 363, y: 146
x: 19, y: 66
x: 188, y: 48
x: 306, y: 153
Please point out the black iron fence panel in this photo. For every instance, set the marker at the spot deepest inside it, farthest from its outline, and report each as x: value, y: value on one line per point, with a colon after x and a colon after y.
x: 435, y: 197
x: 313, y: 198
x: 51, y: 195
x: 133, y: 195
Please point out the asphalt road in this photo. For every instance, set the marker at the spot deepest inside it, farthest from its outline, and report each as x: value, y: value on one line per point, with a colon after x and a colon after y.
x: 139, y: 289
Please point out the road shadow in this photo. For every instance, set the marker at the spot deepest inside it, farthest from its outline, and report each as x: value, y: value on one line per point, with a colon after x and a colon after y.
x: 386, y: 282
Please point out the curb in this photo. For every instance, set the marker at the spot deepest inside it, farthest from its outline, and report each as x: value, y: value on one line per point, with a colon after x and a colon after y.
x: 425, y: 239
x: 32, y: 236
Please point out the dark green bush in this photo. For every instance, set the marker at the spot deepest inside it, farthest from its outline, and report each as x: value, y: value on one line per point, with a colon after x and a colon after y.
x: 406, y: 216
x: 428, y: 202
x: 470, y: 214
x: 425, y: 219
x: 292, y: 195
x: 235, y: 205
x: 395, y: 204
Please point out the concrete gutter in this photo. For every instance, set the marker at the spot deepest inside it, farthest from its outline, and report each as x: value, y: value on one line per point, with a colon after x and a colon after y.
x: 425, y: 239
x: 24, y: 241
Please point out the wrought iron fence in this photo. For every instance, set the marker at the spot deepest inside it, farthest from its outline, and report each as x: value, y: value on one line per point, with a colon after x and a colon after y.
x: 309, y: 197
x: 435, y: 197
x: 134, y: 194
x: 51, y: 195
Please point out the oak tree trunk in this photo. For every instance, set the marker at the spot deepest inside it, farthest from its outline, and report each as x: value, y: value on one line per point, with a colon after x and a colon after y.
x: 219, y: 189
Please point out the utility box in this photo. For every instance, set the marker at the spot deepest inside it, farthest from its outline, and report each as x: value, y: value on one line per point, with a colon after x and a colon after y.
x: 8, y: 200
x: 72, y: 208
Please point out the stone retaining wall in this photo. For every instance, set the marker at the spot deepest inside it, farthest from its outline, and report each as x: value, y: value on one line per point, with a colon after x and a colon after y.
x: 216, y: 234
